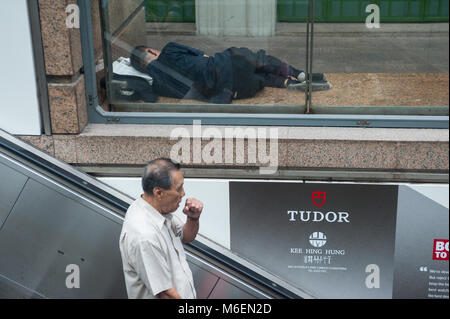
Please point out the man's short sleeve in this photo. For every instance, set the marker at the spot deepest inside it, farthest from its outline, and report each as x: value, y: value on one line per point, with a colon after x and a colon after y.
x: 152, y: 266
x: 177, y: 226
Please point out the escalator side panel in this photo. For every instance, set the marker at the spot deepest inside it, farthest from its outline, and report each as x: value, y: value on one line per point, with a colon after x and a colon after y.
x: 12, y: 290
x: 225, y: 290
x: 11, y: 183
x: 232, y: 283
x: 204, y: 281
x: 47, y: 231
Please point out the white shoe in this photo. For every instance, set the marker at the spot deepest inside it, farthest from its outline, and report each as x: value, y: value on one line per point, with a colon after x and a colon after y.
x: 301, y: 77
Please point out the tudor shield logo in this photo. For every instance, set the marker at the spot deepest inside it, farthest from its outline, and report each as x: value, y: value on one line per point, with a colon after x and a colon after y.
x: 318, y: 198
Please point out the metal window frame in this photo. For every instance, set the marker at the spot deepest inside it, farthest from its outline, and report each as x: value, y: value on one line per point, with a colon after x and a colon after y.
x: 39, y: 65
x: 358, y: 117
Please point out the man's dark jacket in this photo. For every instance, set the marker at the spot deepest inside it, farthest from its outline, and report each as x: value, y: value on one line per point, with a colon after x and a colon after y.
x: 219, y: 79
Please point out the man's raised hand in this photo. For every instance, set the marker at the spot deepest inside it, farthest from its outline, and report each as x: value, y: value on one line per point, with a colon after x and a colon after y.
x: 193, y: 208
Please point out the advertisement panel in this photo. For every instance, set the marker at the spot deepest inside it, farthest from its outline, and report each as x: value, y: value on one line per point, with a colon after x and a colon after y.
x: 333, y: 240
x: 343, y: 240
x: 421, y: 254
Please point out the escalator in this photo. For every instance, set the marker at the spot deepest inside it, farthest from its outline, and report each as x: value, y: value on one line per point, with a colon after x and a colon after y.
x: 59, y: 233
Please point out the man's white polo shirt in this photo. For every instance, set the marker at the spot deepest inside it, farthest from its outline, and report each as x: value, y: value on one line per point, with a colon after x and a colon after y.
x: 152, y: 253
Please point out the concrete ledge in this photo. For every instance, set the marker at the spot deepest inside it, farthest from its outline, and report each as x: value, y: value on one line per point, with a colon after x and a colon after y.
x: 284, y: 133
x: 415, y: 150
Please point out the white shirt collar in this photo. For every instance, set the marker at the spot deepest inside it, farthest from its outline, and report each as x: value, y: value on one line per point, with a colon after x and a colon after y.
x: 152, y: 214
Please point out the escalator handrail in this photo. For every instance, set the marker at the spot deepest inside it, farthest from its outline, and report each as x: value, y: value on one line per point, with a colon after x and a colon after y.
x: 64, y: 171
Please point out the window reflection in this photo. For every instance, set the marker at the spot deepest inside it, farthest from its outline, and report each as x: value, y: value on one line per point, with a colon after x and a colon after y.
x: 199, y: 62
x: 400, y: 62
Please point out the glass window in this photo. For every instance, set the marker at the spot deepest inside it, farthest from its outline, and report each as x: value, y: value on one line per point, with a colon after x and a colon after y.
x: 390, y: 57
x: 234, y: 56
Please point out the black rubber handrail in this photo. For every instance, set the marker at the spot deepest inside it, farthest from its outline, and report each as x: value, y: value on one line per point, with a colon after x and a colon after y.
x: 64, y: 174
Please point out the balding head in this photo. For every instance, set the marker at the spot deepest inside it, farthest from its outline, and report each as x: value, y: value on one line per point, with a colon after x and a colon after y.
x: 157, y: 173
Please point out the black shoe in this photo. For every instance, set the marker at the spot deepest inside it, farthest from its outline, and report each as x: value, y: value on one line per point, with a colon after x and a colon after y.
x: 316, y: 86
x: 319, y: 77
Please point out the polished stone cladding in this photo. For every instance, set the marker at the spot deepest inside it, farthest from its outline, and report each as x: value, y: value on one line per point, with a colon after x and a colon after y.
x: 416, y: 150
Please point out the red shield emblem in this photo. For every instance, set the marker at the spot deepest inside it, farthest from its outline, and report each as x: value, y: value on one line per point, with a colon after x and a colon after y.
x: 320, y: 196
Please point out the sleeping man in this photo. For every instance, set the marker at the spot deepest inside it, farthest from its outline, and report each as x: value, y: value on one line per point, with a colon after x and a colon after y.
x: 183, y: 72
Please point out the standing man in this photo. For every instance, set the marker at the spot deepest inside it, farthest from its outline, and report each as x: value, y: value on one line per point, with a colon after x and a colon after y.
x: 154, y: 262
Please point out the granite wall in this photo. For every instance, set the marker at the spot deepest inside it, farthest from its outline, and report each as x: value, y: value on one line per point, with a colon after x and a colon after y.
x: 63, y: 55
x: 397, y: 151
x: 63, y: 63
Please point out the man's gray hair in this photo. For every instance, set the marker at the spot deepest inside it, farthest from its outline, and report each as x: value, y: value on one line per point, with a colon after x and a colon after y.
x: 157, y: 173
x: 137, y: 58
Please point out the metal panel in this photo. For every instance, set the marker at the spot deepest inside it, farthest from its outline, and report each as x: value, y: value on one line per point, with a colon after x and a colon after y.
x: 230, y: 278
x: 39, y: 64
x: 11, y: 184
x: 46, y: 231
x: 204, y: 281
x: 386, y: 121
x: 12, y: 290
x: 87, y: 46
x: 18, y: 76
x: 225, y: 290
x: 420, y: 220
